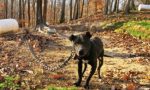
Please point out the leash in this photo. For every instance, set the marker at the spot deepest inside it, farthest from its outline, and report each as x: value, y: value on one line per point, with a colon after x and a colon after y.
x: 47, y: 67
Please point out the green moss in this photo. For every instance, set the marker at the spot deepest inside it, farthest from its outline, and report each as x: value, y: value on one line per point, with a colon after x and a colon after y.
x: 145, y: 24
x: 110, y: 25
x: 136, y: 29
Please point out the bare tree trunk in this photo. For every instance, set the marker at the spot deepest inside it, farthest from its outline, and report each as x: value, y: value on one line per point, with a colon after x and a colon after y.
x: 39, y: 18
x: 75, y: 10
x: 33, y: 12
x: 41, y: 25
x: 95, y: 6
x: 12, y: 3
x: 29, y: 13
x: 132, y: 5
x: 55, y: 11
x: 110, y: 6
x: 45, y: 10
x: 70, y: 9
x: 82, y: 8
x: 6, y: 8
x: 20, y: 13
x: 62, y: 17
x: 116, y: 6
x: 106, y: 7
x: 23, y: 11
x: 78, y: 8
x: 127, y: 7
x: 87, y: 10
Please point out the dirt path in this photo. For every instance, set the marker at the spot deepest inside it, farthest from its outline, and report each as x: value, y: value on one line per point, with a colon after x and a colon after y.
x: 117, y: 72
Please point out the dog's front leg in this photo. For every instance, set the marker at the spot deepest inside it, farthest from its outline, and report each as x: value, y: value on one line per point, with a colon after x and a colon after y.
x: 79, y: 73
x: 93, y: 69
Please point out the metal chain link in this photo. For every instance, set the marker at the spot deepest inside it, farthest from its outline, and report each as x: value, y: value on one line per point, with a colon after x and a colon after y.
x: 49, y: 68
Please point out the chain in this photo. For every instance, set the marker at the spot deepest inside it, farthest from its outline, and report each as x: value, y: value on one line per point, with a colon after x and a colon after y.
x: 49, y: 68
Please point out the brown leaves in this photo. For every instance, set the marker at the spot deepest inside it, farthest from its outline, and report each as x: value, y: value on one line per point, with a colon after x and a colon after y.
x: 57, y: 76
x: 131, y: 86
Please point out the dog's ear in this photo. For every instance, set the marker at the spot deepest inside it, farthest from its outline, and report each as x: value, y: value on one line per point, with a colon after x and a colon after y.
x: 88, y: 34
x: 72, y: 38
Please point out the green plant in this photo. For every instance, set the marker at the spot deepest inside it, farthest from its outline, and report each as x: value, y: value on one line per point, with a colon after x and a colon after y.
x: 9, y: 83
x: 61, y: 88
x: 136, y: 28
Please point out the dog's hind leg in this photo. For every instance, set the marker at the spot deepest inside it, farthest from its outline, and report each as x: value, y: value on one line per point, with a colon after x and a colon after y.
x: 99, y: 67
x: 85, y: 66
x: 100, y: 64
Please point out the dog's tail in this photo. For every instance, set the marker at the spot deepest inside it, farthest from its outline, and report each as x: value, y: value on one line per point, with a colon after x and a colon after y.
x: 107, y: 55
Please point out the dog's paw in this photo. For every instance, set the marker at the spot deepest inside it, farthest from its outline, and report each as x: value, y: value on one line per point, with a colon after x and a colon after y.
x: 77, y: 84
x: 86, y: 87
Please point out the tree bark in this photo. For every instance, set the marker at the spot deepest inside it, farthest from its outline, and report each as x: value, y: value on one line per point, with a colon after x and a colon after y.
x: 39, y: 18
x: 116, y: 6
x: 62, y: 17
x: 82, y: 8
x: 23, y: 12
x: 12, y: 3
x: 127, y: 7
x: 70, y: 9
x: 95, y: 6
x: 33, y: 12
x: 132, y: 5
x: 45, y: 10
x: 29, y: 13
x: 6, y: 8
x: 106, y: 7
x: 20, y: 13
x: 77, y: 9
x: 55, y: 11
x: 87, y: 9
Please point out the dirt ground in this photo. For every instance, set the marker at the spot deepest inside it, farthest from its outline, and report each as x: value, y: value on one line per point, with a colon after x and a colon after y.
x: 117, y: 73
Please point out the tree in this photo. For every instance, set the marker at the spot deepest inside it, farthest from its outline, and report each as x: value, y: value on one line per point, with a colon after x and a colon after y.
x: 76, y: 9
x: 116, y: 6
x: 82, y: 8
x: 23, y: 12
x: 127, y: 7
x: 62, y: 16
x: 12, y: 3
x: 106, y: 7
x: 45, y: 10
x: 33, y: 12
x: 39, y: 17
x: 70, y: 9
x: 54, y: 10
x: 20, y: 13
x: 29, y: 13
x: 6, y: 8
x: 41, y: 25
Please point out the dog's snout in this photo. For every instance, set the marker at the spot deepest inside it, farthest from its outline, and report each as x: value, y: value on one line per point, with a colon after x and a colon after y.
x: 81, y: 52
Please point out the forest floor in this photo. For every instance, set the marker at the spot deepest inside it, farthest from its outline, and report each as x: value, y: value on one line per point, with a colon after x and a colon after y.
x: 117, y: 73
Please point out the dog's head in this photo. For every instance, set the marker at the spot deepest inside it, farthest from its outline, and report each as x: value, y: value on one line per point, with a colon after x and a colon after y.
x: 81, y: 43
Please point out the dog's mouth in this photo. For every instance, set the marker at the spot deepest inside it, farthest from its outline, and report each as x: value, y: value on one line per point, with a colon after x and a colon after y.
x: 80, y: 51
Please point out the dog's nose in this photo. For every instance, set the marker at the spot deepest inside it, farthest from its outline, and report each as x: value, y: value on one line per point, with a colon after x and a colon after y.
x: 81, y: 52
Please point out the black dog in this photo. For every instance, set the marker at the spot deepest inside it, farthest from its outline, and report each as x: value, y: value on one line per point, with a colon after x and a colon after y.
x: 88, y: 50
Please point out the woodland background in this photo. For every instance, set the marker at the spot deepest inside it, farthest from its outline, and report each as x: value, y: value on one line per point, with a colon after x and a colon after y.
x: 124, y: 30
